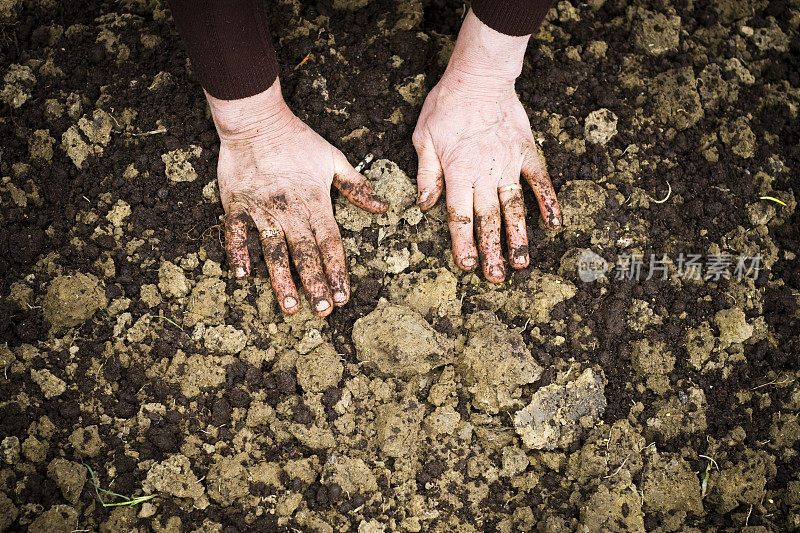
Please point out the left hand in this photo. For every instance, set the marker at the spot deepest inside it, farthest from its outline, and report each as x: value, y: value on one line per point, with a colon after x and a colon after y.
x: 474, y: 136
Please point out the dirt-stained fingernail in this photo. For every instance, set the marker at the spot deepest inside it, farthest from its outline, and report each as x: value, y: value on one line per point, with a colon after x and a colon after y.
x: 240, y: 273
x: 519, y: 259
x: 289, y: 302
x: 468, y: 262
x: 423, y: 197
x: 323, y: 305
x: 339, y: 297
x: 497, y: 272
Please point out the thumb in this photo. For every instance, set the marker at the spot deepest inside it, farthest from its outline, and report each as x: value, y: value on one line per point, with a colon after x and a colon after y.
x: 430, y: 178
x: 356, y: 187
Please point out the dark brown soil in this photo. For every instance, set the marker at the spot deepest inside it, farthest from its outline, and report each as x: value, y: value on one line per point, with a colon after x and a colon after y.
x: 101, y: 380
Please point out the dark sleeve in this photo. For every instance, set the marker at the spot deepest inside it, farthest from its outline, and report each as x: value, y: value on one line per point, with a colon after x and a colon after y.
x: 229, y: 45
x: 512, y: 17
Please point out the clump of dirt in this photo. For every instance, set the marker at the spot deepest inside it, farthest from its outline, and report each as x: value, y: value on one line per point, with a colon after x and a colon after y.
x: 69, y: 476
x: 73, y: 299
x: 559, y: 413
x: 399, y: 342
x: 495, y: 363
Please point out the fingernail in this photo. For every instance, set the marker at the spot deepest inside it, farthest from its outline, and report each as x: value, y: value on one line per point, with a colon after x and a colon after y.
x: 497, y: 272
x: 468, y: 262
x: 423, y: 197
x: 323, y: 305
x: 240, y: 272
x: 339, y: 297
x: 289, y: 302
x: 519, y: 260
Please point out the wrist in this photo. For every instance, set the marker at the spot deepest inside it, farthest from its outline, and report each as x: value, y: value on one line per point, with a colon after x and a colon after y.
x: 484, y: 60
x: 265, y: 113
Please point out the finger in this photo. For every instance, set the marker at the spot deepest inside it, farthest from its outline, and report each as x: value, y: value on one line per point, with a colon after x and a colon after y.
x: 276, y: 255
x: 513, y: 207
x: 430, y: 178
x: 459, y: 219
x: 487, y: 227
x: 535, y: 174
x: 356, y: 187
x: 303, y: 248
x: 329, y: 243
x: 236, y: 240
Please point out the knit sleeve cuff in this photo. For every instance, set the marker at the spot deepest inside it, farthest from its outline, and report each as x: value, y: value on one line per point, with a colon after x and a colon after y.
x: 512, y: 17
x: 229, y: 45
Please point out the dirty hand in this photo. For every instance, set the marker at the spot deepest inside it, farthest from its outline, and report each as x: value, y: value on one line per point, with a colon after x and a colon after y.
x: 277, y: 171
x: 474, y: 136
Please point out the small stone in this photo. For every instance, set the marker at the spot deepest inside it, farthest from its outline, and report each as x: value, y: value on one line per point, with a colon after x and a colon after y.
x: 600, y: 126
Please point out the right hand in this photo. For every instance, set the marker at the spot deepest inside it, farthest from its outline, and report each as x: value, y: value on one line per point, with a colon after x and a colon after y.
x: 276, y: 170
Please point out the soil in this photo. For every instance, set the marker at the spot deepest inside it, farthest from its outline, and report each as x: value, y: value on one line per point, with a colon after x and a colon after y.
x: 433, y: 401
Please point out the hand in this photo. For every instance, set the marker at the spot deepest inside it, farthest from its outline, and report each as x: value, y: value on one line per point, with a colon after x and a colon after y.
x: 474, y: 135
x: 277, y: 171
